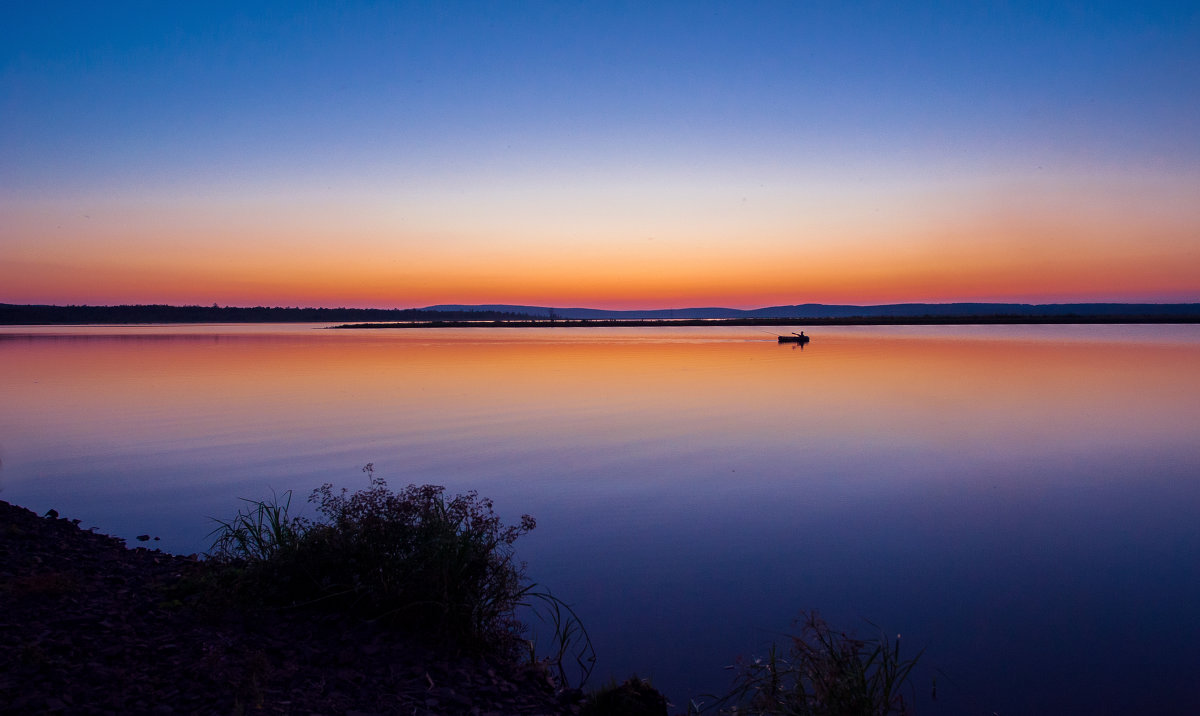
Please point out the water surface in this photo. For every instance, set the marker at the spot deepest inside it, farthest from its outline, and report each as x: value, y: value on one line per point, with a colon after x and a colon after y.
x: 1022, y: 501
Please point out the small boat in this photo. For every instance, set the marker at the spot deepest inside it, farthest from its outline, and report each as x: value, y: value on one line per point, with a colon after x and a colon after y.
x: 794, y: 338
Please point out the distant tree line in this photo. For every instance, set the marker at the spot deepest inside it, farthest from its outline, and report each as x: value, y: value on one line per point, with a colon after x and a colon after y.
x: 12, y: 314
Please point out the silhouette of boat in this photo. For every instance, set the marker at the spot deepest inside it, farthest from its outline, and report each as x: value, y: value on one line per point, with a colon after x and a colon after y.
x: 794, y: 338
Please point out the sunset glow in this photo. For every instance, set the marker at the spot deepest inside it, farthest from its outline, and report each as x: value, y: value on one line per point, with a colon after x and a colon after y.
x: 676, y: 155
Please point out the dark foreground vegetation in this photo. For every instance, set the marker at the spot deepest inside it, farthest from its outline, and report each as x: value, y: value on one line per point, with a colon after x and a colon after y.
x: 413, y: 559
x: 398, y: 602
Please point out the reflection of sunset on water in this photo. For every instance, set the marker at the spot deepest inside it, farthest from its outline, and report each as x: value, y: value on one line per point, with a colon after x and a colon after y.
x: 709, y: 389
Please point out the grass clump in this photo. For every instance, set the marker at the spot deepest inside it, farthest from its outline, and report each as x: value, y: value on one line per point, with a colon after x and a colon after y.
x: 260, y: 532
x: 413, y: 557
x: 570, y: 656
x: 822, y: 672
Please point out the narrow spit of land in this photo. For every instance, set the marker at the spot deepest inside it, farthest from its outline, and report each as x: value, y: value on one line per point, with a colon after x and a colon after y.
x: 88, y: 626
x: 847, y: 321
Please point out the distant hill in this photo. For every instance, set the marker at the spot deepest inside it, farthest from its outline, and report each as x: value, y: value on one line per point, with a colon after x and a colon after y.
x: 893, y: 310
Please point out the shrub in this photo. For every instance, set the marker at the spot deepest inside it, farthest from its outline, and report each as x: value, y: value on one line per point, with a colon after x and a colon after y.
x: 414, y: 558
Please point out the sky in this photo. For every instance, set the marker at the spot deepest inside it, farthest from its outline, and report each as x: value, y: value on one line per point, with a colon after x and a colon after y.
x: 610, y: 155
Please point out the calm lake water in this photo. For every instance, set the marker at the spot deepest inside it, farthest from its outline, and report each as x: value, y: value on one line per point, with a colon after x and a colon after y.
x: 1023, y: 502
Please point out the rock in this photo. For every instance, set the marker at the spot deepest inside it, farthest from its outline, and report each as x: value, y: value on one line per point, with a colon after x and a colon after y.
x: 633, y: 697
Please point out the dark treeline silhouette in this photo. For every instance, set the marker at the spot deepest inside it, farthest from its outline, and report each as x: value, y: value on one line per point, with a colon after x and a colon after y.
x: 815, y: 314
x: 12, y: 314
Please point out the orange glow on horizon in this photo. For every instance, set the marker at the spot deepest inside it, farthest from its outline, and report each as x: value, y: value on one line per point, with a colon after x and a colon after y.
x: 1007, y: 245
x: 990, y: 273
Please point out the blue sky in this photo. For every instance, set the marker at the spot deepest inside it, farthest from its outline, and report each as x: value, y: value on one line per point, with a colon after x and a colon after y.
x: 573, y: 127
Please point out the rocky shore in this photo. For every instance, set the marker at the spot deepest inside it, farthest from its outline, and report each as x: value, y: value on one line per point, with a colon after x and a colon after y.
x: 89, y: 626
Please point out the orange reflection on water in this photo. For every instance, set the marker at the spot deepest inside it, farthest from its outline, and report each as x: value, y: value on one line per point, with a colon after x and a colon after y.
x: 674, y: 392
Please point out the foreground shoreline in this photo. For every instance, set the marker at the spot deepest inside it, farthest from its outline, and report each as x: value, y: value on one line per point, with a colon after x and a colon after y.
x: 88, y: 625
